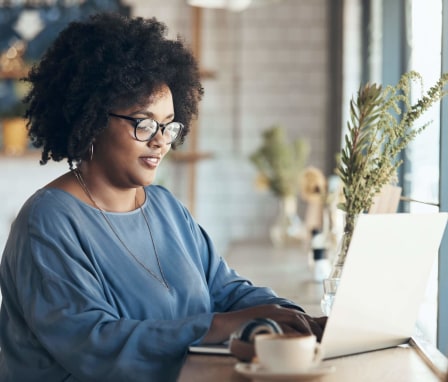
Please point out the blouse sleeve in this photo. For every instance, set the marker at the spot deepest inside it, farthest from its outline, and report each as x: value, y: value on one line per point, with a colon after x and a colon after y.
x: 61, y: 321
x: 230, y: 291
x: 61, y: 298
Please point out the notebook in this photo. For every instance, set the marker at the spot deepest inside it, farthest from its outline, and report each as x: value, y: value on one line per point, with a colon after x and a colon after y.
x: 383, y: 282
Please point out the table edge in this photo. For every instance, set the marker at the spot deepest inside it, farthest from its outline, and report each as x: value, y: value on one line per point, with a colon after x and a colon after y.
x: 435, y: 359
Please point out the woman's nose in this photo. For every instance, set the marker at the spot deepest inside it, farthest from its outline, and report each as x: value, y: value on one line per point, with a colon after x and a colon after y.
x: 158, y: 140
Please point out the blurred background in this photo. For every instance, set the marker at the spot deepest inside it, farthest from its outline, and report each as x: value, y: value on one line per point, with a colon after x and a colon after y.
x: 293, y: 64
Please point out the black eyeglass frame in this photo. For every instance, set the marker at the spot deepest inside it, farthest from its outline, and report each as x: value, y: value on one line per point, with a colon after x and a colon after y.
x: 160, y: 126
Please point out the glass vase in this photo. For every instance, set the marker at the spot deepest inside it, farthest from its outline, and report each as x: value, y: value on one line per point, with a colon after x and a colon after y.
x: 331, y: 284
x: 287, y: 226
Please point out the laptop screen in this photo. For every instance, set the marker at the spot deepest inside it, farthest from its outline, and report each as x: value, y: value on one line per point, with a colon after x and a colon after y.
x: 383, y: 282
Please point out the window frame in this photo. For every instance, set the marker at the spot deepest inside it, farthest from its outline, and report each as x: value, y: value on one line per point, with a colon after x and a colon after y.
x: 442, y: 314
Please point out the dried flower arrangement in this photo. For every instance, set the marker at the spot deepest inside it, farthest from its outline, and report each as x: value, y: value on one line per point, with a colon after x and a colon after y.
x: 313, y: 185
x: 381, y: 126
x: 280, y: 162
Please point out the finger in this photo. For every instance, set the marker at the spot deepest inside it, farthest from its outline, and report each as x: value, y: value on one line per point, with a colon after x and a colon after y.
x: 317, y: 329
x: 322, y: 321
x: 288, y: 329
x: 301, y: 324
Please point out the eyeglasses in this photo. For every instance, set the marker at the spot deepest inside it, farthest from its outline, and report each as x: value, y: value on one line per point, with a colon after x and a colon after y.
x: 146, y: 128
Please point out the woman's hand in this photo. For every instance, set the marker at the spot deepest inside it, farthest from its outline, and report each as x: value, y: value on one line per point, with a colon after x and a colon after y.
x: 290, y: 320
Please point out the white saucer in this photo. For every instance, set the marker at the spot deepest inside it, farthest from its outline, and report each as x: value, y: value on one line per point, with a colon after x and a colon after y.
x: 256, y: 371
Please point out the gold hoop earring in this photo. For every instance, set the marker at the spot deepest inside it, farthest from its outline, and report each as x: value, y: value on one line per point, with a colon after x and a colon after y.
x: 91, y: 151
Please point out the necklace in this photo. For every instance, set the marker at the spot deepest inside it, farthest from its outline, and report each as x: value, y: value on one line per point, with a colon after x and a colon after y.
x: 83, y: 185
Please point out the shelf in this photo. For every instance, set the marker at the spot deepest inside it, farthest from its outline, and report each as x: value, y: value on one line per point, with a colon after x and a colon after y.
x: 27, y: 154
x: 189, y: 156
x: 207, y: 74
x: 13, y: 75
x: 183, y: 156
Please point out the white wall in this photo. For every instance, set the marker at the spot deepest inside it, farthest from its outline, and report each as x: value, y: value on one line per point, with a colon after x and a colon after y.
x: 19, y: 179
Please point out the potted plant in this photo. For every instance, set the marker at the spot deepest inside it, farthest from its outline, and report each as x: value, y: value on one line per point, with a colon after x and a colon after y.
x: 14, y: 131
x: 280, y: 163
x: 382, y: 124
x: 12, y: 69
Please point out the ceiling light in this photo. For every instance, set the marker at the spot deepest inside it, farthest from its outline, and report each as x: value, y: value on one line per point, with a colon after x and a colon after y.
x: 231, y: 5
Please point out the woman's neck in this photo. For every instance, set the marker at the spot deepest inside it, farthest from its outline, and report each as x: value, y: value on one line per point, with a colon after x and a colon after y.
x: 104, y: 195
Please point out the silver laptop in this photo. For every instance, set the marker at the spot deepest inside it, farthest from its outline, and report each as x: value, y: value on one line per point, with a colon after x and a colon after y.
x: 383, y: 282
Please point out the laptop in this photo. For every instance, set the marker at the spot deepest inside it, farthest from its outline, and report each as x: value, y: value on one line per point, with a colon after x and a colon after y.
x: 383, y: 282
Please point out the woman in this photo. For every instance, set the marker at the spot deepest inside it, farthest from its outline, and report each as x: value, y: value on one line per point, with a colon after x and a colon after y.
x: 106, y: 277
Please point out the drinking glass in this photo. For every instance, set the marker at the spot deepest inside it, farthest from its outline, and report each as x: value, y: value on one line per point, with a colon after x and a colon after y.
x: 330, y: 288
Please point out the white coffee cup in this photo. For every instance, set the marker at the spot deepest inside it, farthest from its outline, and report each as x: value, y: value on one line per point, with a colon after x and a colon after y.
x: 287, y: 352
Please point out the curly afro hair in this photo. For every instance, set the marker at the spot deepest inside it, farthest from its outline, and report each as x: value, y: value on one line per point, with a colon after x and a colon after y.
x: 94, y: 66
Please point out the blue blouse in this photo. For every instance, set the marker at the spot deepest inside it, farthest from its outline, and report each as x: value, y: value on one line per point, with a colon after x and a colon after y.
x: 78, y: 307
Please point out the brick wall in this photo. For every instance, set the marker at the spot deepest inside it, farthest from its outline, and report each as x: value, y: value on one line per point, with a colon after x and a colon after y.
x: 271, y: 67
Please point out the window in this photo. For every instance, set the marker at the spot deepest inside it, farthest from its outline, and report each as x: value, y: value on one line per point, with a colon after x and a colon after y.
x: 421, y: 177
x: 397, y: 36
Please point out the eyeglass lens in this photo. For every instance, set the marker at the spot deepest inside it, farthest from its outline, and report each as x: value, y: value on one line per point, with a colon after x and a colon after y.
x: 147, y: 128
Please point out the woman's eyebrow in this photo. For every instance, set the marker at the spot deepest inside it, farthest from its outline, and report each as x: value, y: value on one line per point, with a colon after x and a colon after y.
x: 150, y: 114
x: 169, y: 116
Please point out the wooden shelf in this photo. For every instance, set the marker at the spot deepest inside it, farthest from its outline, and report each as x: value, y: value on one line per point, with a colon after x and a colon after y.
x: 189, y: 156
x: 13, y: 75
x: 207, y: 74
x: 181, y: 156
x: 28, y: 153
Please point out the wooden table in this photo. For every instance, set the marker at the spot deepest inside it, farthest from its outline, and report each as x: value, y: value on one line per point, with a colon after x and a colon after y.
x: 288, y: 273
x: 400, y: 364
